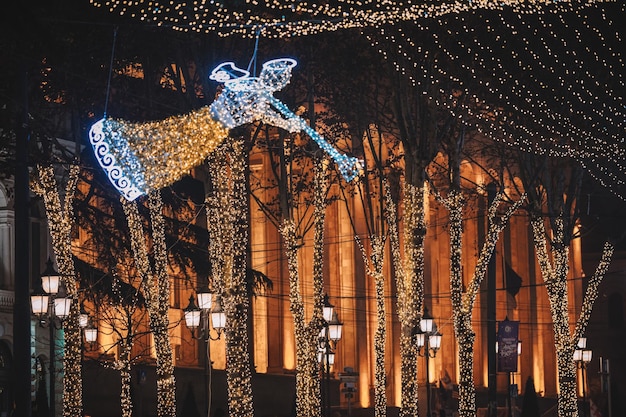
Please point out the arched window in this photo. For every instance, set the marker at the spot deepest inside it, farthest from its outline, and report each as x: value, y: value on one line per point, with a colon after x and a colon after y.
x: 616, y: 311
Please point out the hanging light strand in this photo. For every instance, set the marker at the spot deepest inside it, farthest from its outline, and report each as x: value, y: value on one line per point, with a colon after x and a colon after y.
x: 283, y: 19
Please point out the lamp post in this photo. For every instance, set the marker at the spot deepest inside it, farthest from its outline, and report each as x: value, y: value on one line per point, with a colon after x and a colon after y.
x: 582, y: 356
x: 51, y: 307
x: 428, y: 343
x: 511, y: 375
x: 198, y: 318
x: 328, y: 339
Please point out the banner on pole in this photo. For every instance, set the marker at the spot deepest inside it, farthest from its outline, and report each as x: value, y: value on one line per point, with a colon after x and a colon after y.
x: 507, y: 345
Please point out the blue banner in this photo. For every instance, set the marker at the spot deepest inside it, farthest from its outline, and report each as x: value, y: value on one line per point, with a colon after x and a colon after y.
x: 507, y: 345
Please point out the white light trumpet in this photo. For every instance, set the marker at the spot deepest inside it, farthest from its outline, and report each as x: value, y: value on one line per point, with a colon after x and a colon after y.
x: 246, y: 99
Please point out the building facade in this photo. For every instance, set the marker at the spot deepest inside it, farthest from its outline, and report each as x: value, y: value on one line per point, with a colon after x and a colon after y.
x: 519, y: 292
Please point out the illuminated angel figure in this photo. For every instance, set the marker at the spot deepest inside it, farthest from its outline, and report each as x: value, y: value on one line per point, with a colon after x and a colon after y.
x: 246, y: 99
x: 139, y: 157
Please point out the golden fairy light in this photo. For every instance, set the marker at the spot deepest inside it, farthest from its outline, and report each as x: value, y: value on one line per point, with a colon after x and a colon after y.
x: 409, y: 277
x: 228, y: 208
x: 307, y: 334
x: 554, y: 264
x: 374, y: 265
x: 60, y: 222
x: 141, y: 157
x: 484, y: 63
x: 463, y: 301
x: 156, y: 288
x: 281, y: 19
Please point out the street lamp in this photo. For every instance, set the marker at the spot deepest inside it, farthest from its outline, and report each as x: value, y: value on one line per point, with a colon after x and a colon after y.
x: 51, y: 307
x: 199, y: 317
x: 582, y: 357
x: 328, y: 338
x: 428, y: 343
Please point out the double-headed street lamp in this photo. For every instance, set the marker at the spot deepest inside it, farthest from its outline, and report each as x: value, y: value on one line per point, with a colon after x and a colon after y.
x: 328, y: 338
x: 197, y: 316
x: 428, y: 343
x: 582, y: 357
x: 50, y: 305
x: 198, y: 319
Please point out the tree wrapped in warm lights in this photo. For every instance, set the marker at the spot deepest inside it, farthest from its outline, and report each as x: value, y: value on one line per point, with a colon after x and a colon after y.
x: 375, y: 270
x: 463, y: 301
x: 228, y: 210
x: 294, y: 198
x: 374, y: 194
x: 156, y: 288
x: 120, y: 315
x: 409, y: 277
x: 554, y: 186
x: 60, y: 222
x: 420, y: 127
x: 307, y: 344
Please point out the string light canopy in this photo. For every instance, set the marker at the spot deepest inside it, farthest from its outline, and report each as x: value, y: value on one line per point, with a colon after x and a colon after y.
x: 283, y: 19
x: 550, y: 83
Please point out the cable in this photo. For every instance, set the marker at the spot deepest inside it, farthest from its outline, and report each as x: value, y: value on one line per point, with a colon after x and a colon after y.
x: 106, y: 101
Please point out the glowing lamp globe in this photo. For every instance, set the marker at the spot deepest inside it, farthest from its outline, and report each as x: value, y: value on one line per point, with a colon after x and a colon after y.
x: 91, y: 334
x: 192, y: 314
x: 62, y: 307
x: 39, y: 304
x: 50, y: 279
x: 218, y: 317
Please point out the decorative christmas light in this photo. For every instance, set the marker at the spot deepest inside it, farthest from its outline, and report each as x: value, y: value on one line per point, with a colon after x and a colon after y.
x: 60, y: 222
x: 554, y: 266
x: 156, y: 287
x: 463, y: 302
x: 275, y: 18
x: 126, y: 332
x: 374, y: 266
x: 228, y: 242
x: 589, y: 117
x: 245, y: 99
x: 141, y: 157
x: 409, y: 278
x: 306, y: 335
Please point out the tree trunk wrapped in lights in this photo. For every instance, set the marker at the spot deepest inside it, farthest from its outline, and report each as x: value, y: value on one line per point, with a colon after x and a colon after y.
x: 228, y: 251
x: 156, y: 288
x: 410, y: 286
x: 124, y: 365
x: 554, y: 270
x: 60, y: 221
x: 374, y: 267
x: 463, y: 302
x: 307, y: 336
x: 122, y: 322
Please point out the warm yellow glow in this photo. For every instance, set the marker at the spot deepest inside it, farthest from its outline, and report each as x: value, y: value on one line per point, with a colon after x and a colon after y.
x: 409, y: 278
x: 156, y: 288
x: 463, y: 301
x: 142, y: 157
x: 60, y: 221
x: 492, y: 103
x: 227, y: 220
x: 278, y: 19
